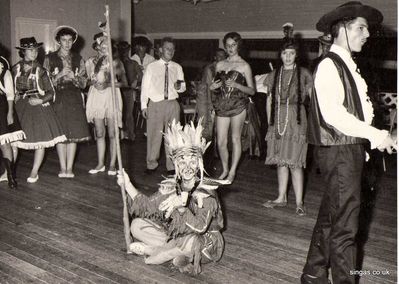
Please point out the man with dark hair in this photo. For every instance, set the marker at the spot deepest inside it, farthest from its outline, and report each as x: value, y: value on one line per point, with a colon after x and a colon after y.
x: 141, y: 56
x: 162, y: 82
x: 339, y: 124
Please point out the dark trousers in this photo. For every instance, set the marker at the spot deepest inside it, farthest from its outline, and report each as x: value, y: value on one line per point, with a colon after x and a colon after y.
x: 333, y: 240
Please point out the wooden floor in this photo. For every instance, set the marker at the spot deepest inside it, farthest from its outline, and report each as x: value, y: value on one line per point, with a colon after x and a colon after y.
x: 71, y: 231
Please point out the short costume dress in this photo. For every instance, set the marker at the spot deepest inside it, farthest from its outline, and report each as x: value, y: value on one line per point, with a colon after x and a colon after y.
x: 69, y: 104
x: 289, y: 148
x: 229, y: 102
x: 39, y: 122
x: 99, y: 102
x: 8, y: 132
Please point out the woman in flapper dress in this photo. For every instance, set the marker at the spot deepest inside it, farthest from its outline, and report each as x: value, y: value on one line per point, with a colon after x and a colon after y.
x: 10, y: 129
x: 288, y: 87
x: 35, y: 94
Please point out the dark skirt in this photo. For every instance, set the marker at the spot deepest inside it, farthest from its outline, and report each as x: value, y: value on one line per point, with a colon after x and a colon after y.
x: 40, y: 124
x: 8, y: 132
x: 69, y: 108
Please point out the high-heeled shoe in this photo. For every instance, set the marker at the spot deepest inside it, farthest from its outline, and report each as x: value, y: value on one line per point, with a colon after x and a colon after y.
x: 94, y: 171
x: 32, y: 179
x: 9, y: 166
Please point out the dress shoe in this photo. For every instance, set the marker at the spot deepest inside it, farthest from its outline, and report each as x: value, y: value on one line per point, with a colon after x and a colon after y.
x: 150, y: 171
x: 62, y: 175
x: 32, y: 179
x: 300, y: 210
x: 272, y: 204
x: 3, y: 177
x: 94, y: 171
x: 111, y: 172
x: 69, y: 175
x: 308, y: 279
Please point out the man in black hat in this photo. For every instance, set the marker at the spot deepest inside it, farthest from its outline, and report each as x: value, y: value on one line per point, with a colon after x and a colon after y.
x: 339, y: 125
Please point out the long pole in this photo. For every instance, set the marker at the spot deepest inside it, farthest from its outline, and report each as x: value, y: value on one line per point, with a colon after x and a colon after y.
x: 126, y: 225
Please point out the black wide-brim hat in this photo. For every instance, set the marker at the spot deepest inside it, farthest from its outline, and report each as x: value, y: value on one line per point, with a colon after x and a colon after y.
x: 28, y: 43
x: 352, y: 9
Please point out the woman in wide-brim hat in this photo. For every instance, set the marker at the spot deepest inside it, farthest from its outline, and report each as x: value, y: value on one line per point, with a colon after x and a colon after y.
x: 100, y: 107
x: 10, y: 129
x: 34, y: 94
x: 68, y: 75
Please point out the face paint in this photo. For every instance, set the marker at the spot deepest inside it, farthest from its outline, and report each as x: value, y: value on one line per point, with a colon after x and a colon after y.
x: 187, y: 167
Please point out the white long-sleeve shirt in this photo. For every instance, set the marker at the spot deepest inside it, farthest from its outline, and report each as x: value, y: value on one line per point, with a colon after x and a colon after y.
x: 330, y: 95
x: 152, y: 86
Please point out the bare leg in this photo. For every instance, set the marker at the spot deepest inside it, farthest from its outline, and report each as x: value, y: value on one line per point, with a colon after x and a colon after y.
x: 282, y: 176
x: 37, y: 162
x: 62, y: 156
x: 237, y: 123
x: 100, y: 134
x: 70, y: 153
x: 15, y: 153
x: 222, y: 131
x: 112, y: 145
x: 7, y: 151
x: 297, y: 182
x: 164, y: 256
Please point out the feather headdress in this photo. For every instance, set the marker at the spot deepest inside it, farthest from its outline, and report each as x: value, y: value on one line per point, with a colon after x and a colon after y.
x: 187, y: 140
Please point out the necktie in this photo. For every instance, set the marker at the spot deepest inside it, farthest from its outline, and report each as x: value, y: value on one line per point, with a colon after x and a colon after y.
x: 166, y: 86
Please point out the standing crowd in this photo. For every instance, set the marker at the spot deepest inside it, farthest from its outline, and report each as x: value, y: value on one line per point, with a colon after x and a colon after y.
x: 42, y: 106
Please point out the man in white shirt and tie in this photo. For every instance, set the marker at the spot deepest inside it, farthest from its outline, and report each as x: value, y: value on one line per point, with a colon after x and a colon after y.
x: 163, y: 80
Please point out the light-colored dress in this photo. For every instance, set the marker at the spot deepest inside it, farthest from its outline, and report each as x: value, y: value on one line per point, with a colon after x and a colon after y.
x: 286, y: 144
x: 99, y: 101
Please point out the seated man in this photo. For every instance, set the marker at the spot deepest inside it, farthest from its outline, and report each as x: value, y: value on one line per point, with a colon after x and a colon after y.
x: 182, y: 221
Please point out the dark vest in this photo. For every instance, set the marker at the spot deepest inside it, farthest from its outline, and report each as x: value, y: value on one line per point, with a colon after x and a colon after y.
x: 56, y: 62
x: 322, y: 133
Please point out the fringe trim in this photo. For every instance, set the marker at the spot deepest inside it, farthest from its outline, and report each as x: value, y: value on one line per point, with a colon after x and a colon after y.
x: 40, y: 145
x: 285, y: 163
x: 11, y: 137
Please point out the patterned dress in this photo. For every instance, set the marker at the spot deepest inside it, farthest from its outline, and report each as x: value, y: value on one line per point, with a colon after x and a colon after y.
x: 286, y: 139
x: 8, y: 132
x: 69, y: 103
x: 39, y: 122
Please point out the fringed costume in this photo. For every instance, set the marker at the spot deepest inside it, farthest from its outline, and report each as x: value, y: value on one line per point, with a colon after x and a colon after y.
x: 39, y: 122
x: 179, y: 217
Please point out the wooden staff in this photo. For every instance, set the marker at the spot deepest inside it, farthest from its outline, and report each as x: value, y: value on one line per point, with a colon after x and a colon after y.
x: 126, y: 225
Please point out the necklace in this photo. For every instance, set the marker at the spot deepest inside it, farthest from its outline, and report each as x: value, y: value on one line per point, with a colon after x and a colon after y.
x: 281, y: 133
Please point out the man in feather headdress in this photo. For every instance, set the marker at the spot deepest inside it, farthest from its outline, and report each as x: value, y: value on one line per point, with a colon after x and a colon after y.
x: 182, y: 221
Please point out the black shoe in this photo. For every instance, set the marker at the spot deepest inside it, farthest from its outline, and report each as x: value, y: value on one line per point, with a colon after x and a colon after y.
x: 150, y: 171
x: 308, y: 279
x: 9, y: 166
x: 171, y: 172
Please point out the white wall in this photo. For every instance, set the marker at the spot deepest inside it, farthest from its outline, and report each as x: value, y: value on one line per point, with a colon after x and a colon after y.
x: 83, y: 15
